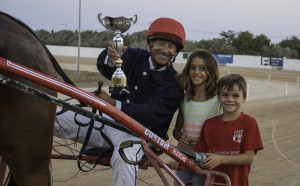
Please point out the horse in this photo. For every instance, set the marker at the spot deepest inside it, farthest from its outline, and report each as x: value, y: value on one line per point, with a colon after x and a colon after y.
x: 26, y: 122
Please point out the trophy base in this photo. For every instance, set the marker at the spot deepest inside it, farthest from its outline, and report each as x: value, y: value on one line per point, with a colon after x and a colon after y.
x: 119, y: 89
x: 119, y: 79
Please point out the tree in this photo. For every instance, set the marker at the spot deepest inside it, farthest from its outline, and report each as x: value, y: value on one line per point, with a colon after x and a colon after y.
x: 293, y: 43
x: 228, y: 36
x: 190, y: 46
x: 219, y: 46
x: 290, y: 53
x: 276, y: 51
x: 260, y: 42
x: 44, y: 35
x: 135, y: 38
x: 244, y: 43
x: 229, y: 42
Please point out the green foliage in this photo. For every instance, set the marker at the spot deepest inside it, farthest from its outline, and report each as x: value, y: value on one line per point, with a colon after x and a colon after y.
x: 292, y: 43
x: 261, y: 41
x: 228, y: 36
x: 245, y: 43
x: 230, y: 42
x: 137, y: 40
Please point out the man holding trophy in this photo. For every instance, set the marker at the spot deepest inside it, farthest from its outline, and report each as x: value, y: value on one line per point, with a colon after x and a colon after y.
x: 150, y: 94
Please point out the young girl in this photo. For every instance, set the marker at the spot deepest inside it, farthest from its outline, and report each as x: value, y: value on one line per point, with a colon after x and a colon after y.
x: 199, y: 80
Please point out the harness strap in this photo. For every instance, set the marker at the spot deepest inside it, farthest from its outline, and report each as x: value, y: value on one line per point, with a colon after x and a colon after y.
x: 88, y: 134
x: 85, y: 143
x: 105, y: 137
x: 130, y: 143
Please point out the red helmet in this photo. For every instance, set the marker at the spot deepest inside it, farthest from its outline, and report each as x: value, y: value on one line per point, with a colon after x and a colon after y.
x: 167, y: 29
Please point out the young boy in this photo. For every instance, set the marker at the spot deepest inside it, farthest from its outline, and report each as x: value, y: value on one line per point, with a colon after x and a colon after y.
x: 231, y: 140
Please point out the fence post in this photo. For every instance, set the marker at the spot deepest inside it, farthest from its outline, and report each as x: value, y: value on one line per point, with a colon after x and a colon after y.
x: 286, y: 88
x: 248, y: 90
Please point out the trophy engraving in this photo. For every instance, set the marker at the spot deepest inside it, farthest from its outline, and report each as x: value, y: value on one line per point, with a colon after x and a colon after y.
x: 118, y: 25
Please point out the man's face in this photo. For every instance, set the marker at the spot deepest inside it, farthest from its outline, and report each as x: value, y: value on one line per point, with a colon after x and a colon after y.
x: 162, y: 51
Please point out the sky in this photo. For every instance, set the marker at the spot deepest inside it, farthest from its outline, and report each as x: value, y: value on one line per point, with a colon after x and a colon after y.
x: 202, y: 19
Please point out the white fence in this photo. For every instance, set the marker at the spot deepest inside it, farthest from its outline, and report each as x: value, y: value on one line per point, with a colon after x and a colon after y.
x: 238, y: 60
x: 71, y: 51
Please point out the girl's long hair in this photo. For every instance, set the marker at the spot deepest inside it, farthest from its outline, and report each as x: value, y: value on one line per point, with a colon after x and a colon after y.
x: 211, y: 66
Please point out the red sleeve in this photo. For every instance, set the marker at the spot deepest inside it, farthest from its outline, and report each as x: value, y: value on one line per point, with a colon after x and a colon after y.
x: 252, y: 139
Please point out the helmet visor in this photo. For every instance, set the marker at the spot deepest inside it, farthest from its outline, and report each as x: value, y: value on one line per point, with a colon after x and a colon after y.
x: 178, y: 45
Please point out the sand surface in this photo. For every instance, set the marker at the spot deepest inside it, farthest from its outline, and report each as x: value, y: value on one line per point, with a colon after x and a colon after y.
x: 274, y: 100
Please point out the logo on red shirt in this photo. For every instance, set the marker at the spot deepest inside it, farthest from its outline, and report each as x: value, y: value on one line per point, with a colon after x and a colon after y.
x: 238, y: 136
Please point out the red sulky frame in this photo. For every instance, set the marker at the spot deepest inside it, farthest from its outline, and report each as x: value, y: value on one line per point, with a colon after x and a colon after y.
x: 114, y: 113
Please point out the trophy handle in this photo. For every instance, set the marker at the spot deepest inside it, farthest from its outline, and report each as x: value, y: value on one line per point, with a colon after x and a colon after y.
x: 100, y: 20
x: 134, y: 19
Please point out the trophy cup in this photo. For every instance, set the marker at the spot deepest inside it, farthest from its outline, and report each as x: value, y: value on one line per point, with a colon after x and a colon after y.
x: 118, y: 25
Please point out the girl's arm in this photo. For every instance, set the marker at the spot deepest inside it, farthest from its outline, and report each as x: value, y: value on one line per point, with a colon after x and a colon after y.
x: 214, y: 160
x: 177, y: 131
x: 179, y: 135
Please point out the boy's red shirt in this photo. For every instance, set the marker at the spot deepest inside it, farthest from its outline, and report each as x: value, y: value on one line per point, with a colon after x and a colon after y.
x: 231, y: 138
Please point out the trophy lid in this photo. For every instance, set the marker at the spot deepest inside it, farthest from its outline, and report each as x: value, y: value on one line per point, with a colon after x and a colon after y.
x: 115, y: 24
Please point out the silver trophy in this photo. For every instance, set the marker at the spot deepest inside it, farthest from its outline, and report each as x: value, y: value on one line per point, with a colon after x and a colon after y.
x: 117, y: 25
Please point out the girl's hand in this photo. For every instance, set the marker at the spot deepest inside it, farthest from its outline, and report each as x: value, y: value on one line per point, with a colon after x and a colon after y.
x: 174, y: 165
x: 185, y: 140
x: 193, y: 142
x: 212, y: 161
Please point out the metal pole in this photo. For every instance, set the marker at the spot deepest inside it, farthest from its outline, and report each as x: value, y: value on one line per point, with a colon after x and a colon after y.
x: 78, y: 59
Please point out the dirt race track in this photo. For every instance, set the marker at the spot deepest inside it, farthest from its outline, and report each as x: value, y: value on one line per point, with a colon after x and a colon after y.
x: 274, y: 100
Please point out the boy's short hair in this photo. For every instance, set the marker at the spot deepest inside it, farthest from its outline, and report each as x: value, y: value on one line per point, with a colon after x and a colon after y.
x: 229, y: 80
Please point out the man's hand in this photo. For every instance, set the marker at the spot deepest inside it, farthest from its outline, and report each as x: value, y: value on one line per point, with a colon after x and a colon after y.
x: 112, y: 53
x: 104, y: 95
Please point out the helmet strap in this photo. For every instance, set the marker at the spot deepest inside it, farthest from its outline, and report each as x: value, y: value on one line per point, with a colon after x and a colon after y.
x: 174, y: 57
x: 157, y: 66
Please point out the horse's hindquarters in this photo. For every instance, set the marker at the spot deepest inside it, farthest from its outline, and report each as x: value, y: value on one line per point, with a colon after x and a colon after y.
x: 26, y: 123
x: 26, y: 132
